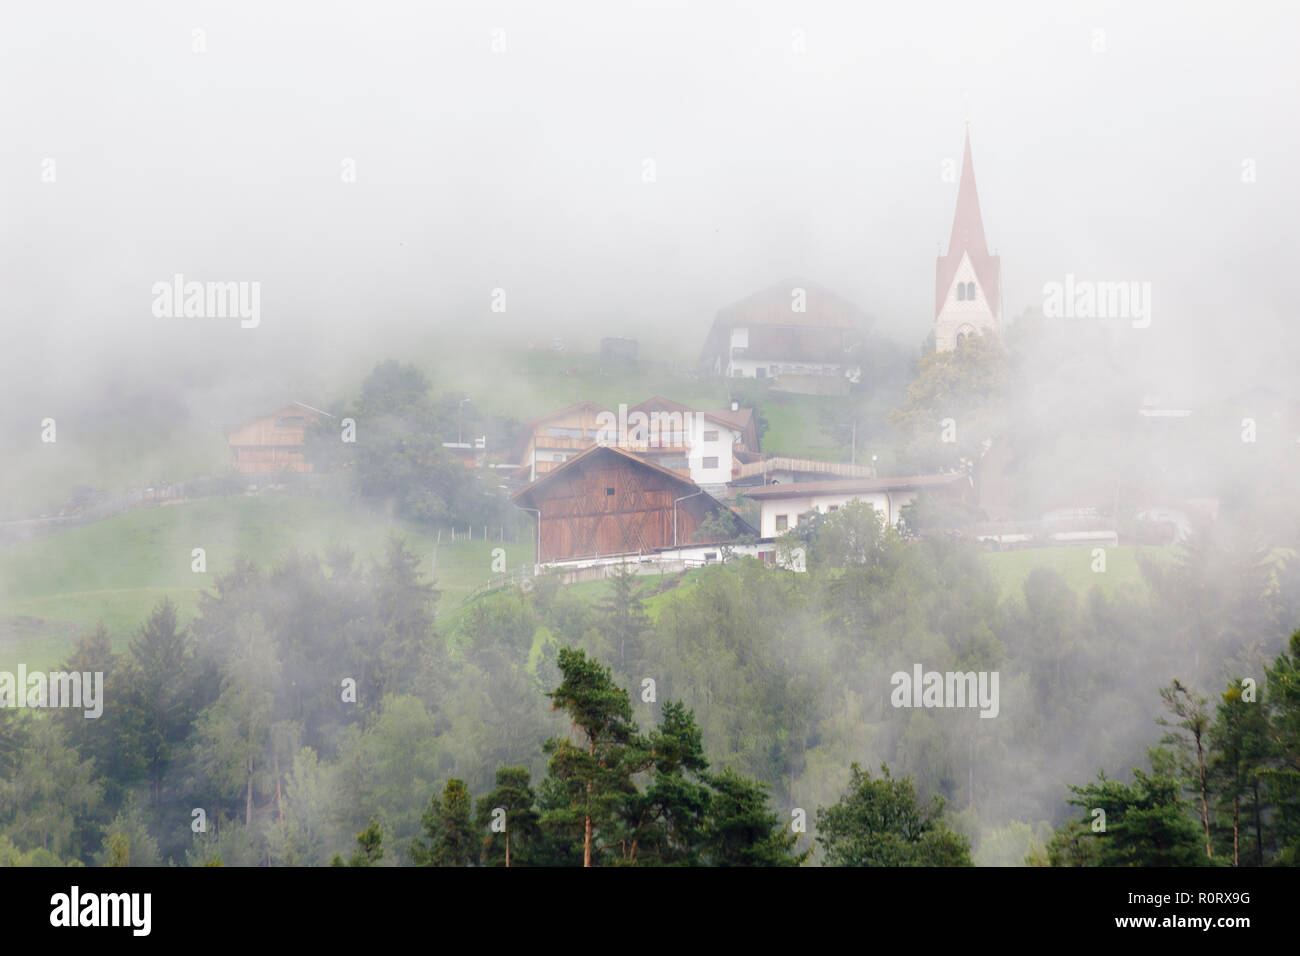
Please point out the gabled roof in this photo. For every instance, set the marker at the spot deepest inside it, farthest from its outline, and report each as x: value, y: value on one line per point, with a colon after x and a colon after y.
x: 968, y: 239
x: 657, y: 403
x: 525, y: 432
x: 687, y: 486
x: 276, y: 412
x: 534, y: 422
x: 597, y: 450
x: 738, y: 419
x: 771, y: 306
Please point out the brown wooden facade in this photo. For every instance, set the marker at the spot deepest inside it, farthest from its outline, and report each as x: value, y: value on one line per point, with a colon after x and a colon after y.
x: 273, y: 443
x: 607, y: 501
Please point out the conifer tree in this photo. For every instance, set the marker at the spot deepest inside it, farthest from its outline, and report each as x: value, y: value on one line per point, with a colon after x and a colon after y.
x: 588, y: 780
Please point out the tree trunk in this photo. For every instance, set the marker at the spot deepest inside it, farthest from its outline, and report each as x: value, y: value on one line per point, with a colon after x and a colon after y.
x: 1259, y: 831
x: 586, y: 838
x: 248, y: 800
x: 1236, y: 803
x: 1205, y: 806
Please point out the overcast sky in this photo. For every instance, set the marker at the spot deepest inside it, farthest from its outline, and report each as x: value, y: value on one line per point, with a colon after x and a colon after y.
x: 787, y: 139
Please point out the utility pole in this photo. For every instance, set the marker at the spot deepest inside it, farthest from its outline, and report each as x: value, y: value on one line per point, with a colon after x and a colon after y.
x: 459, y: 405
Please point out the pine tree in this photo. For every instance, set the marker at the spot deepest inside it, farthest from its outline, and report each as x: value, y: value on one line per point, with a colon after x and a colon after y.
x: 1146, y: 822
x: 664, y: 824
x: 1193, y: 720
x: 623, y: 618
x: 158, y: 696
x: 509, y: 818
x: 452, y: 838
x: 741, y: 830
x: 369, y: 851
x: 587, y: 781
x: 1238, y: 740
x: 880, y: 823
x: 1283, y: 777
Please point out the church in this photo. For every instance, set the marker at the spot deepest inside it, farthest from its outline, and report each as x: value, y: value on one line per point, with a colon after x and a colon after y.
x: 968, y: 280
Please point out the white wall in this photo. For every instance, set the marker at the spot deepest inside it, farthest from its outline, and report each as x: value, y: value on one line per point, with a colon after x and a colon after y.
x: 720, y: 449
x: 887, y: 503
x: 748, y: 367
x: 957, y: 312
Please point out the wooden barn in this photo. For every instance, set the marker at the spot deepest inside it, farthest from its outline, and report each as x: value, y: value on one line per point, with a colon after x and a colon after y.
x: 607, y: 501
x: 273, y: 442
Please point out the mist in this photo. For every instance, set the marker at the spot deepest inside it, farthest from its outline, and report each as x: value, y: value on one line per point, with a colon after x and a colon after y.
x: 485, y: 191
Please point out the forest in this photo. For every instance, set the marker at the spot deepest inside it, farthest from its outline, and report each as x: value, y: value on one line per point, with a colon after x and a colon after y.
x: 311, y: 714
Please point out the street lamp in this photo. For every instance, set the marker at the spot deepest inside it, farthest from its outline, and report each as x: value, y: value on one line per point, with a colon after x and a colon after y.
x: 682, y: 498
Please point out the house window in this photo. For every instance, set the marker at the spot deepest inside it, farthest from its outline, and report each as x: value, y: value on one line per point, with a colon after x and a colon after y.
x: 609, y: 492
x: 782, y: 522
x: 710, y: 436
x: 710, y: 557
x: 833, y: 508
x: 711, y: 462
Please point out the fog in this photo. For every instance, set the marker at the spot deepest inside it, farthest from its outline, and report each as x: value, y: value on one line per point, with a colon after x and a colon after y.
x: 620, y: 170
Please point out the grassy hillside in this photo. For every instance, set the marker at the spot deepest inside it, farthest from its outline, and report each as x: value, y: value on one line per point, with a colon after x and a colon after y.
x: 534, y: 382
x: 55, y: 587
x: 1074, y: 565
x: 116, y: 571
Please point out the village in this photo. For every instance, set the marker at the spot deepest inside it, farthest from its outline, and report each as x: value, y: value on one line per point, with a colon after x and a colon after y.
x: 722, y: 436
x: 660, y: 485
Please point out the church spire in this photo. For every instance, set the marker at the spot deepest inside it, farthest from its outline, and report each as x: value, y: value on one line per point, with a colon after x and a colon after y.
x: 967, y: 290
x: 967, y: 224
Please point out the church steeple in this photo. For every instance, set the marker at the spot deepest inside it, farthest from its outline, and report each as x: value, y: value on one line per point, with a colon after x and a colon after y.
x: 967, y: 224
x: 967, y: 293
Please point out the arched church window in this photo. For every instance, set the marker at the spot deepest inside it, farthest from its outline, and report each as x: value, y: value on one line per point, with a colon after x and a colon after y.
x: 970, y: 291
x: 961, y: 292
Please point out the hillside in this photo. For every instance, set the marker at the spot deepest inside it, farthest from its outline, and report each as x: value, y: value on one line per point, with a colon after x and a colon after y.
x: 116, y: 570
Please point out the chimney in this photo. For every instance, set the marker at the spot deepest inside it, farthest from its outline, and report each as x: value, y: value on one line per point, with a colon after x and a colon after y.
x: 735, y: 405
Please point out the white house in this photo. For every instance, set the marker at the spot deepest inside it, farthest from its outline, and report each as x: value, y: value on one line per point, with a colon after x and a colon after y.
x: 796, y: 332
x: 782, y: 505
